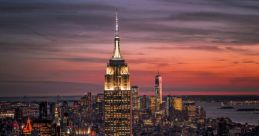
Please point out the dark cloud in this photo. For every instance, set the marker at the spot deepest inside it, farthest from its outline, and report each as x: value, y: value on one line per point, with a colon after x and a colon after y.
x: 213, y: 48
x: 207, y: 48
x: 80, y: 59
x: 237, y: 28
x: 51, y: 25
x: 181, y: 63
x: 13, y: 46
x: 220, y: 4
x: 246, y: 82
x: 245, y: 62
x: 58, y: 22
x: 217, y: 89
x: 236, y: 49
x: 221, y: 60
x: 155, y: 62
x: 232, y: 22
x: 235, y: 62
x: 244, y: 51
x: 198, y: 73
x: 49, y: 6
x: 52, y: 29
x: 250, y: 61
x: 45, y: 88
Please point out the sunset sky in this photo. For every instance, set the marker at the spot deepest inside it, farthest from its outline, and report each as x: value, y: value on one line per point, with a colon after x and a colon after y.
x: 57, y: 47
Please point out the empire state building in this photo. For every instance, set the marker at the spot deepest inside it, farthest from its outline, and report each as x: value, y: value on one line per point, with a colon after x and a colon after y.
x: 117, y: 93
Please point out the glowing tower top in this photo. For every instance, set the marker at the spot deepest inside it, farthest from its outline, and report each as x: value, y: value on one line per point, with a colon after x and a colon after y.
x: 158, y: 91
x: 116, y: 52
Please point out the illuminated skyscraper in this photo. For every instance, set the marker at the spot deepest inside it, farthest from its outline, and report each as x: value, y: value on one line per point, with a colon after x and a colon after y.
x: 158, y: 91
x: 99, y: 108
x: 135, y: 98
x: 153, y: 102
x: 169, y: 104
x: 117, y: 93
x: 135, y: 102
x: 87, y: 104
x: 144, y: 102
x: 178, y: 104
x: 190, y: 107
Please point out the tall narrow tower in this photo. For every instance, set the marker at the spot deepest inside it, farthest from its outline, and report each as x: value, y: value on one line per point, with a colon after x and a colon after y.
x: 117, y: 93
x: 158, y: 91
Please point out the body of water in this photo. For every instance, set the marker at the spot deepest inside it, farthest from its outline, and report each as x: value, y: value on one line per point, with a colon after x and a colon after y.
x: 213, y: 111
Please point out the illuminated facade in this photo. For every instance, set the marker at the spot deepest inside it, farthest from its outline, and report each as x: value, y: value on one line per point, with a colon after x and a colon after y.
x: 144, y: 102
x: 57, y: 121
x: 135, y: 98
x: 87, y: 102
x: 158, y: 91
x: 169, y: 104
x: 190, y: 107
x: 117, y: 93
x: 28, y: 127
x: 135, y: 102
x: 153, y: 102
x: 99, y: 108
x: 178, y: 104
x: 43, y: 127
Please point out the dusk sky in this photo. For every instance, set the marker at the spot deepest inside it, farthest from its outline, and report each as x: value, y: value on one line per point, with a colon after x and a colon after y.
x: 57, y: 47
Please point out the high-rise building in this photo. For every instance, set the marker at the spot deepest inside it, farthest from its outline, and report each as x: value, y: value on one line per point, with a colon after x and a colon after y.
x: 158, y: 91
x: 86, y: 100
x: 98, y: 108
x: 117, y: 93
x: 135, y: 98
x: 168, y: 105
x: 52, y: 107
x: 43, y: 127
x: 43, y: 109
x: 87, y: 104
x: 100, y: 103
x: 56, y: 128
x: 153, y: 104
x: 223, y: 129
x: 190, y: 108
x: 178, y: 104
x: 144, y: 102
x: 135, y: 104
x: 18, y: 114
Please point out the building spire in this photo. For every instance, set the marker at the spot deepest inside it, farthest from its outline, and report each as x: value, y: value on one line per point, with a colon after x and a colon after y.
x: 116, y: 52
x: 116, y: 24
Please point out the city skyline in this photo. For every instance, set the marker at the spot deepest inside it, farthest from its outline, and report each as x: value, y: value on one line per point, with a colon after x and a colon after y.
x: 61, y: 48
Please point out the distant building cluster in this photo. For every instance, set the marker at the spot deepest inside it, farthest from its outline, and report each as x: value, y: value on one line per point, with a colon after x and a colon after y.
x: 86, y: 117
